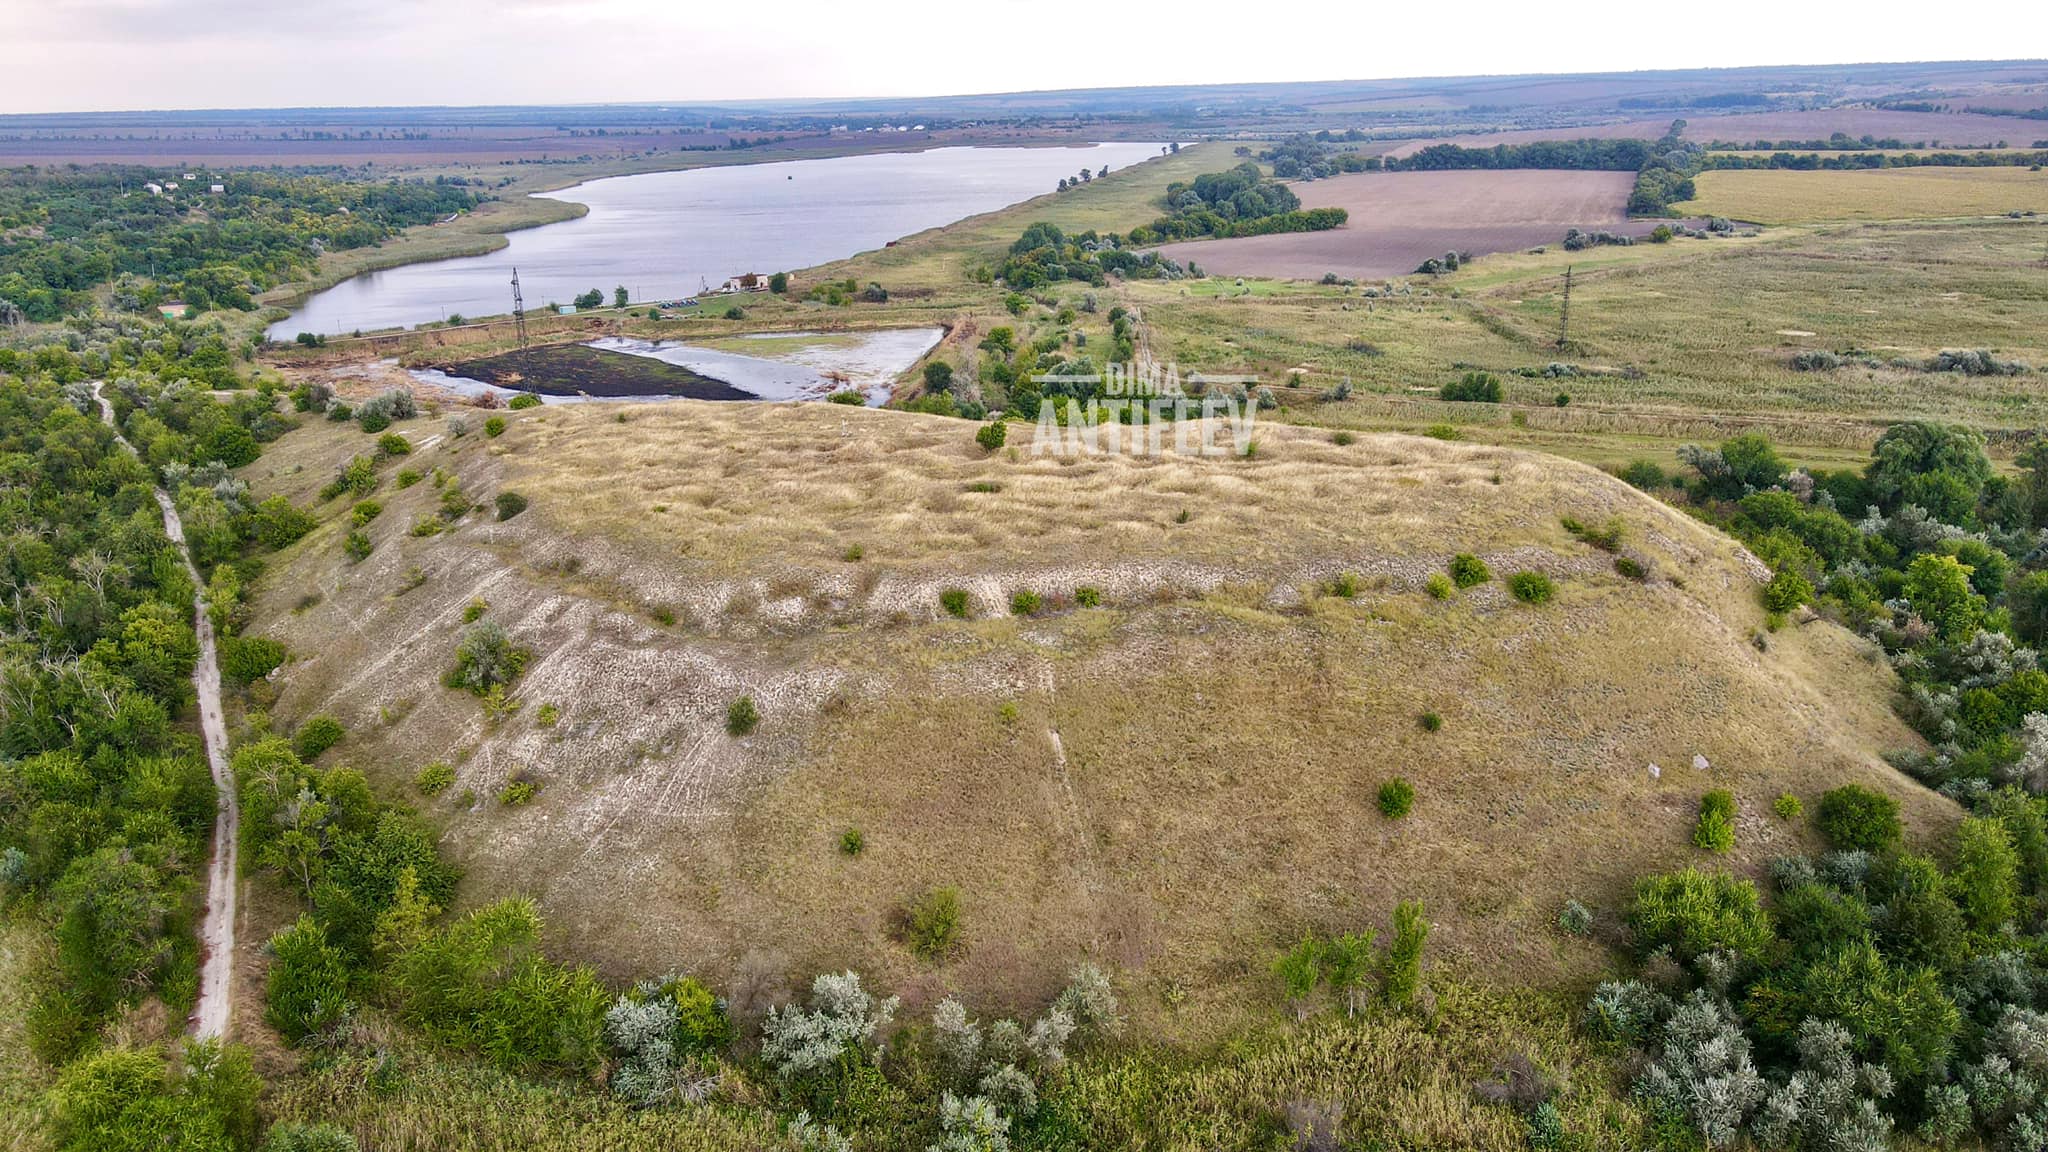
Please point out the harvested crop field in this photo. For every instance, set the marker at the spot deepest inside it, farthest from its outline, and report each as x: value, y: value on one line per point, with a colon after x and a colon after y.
x: 1915, y: 129
x: 1946, y: 129
x: 1621, y: 130
x: 1400, y: 219
x: 1777, y: 196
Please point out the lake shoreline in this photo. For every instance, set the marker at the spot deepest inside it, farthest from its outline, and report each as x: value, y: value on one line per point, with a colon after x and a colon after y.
x: 530, y: 205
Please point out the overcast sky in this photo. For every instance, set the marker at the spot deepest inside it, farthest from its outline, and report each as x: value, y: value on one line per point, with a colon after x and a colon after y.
x: 76, y: 55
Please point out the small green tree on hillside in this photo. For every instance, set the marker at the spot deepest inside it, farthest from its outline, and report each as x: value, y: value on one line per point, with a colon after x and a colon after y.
x: 486, y: 658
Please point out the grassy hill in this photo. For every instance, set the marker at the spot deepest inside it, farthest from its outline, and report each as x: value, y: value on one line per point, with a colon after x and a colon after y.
x: 1176, y: 782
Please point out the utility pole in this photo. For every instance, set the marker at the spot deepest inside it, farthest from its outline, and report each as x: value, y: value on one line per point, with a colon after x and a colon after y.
x: 1564, y: 320
x: 519, y: 313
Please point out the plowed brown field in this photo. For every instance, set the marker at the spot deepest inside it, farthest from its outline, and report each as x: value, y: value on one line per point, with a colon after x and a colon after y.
x: 1400, y: 219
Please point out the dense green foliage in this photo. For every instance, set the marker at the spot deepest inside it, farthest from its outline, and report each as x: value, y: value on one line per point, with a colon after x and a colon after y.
x: 1931, y: 555
x: 1044, y: 254
x: 66, y: 232
x: 1918, y: 971
x: 105, y: 806
x: 1238, y: 202
x: 1885, y: 957
x: 130, y: 1100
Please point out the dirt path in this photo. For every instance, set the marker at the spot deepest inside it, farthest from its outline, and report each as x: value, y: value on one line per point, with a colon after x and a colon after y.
x: 217, y: 932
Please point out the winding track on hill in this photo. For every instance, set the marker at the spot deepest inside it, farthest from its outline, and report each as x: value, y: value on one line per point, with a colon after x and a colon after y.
x: 217, y: 932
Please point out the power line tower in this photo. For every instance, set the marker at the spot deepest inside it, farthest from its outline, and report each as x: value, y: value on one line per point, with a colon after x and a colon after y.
x: 519, y: 311
x: 1564, y: 321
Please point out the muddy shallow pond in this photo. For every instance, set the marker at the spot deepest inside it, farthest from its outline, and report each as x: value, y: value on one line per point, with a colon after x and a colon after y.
x: 763, y: 366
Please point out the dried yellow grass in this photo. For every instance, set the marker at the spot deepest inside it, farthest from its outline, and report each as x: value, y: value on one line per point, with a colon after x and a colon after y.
x: 1782, y: 196
x: 1174, y: 783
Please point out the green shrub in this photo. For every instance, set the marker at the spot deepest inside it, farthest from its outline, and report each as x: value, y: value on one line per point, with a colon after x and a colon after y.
x: 1397, y: 798
x: 317, y: 735
x: 356, y: 546
x: 373, y: 419
x: 407, y: 477
x: 955, y: 602
x: 307, y: 989
x: 494, y: 426
x: 1985, y: 874
x: 517, y: 793
x: 119, y: 1098
x: 1088, y: 596
x: 850, y: 397
x: 279, y: 522
x: 1443, y: 432
x: 1431, y: 722
x: 1473, y: 387
x: 1644, y: 474
x: 1575, y: 918
x: 1787, y: 806
x: 1854, y: 817
x: 364, y: 512
x: 393, y: 444
x: 1693, y: 913
x: 1345, y: 586
x: 1025, y: 602
x: 547, y: 716
x: 434, y: 779
x: 1715, y: 830
x: 359, y: 475
x: 1300, y: 970
x: 428, y: 526
x: 991, y: 435
x: 247, y: 659
x: 510, y: 504
x: 1468, y: 570
x: 1343, y: 439
x: 852, y: 842
x: 1631, y: 567
x: 735, y: 313
x: 486, y: 658
x: 1531, y: 587
x: 474, y: 610
x: 1439, y: 586
x: 1898, y: 1016
x: 741, y: 717
x: 1401, y: 970
x: 523, y: 401
x: 480, y: 983
x: 932, y: 925
x: 1786, y: 591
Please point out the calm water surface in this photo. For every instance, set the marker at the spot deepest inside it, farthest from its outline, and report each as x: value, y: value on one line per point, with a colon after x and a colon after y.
x: 665, y: 235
